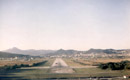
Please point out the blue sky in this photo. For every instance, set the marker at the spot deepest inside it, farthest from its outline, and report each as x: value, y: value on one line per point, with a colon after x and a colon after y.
x: 67, y: 24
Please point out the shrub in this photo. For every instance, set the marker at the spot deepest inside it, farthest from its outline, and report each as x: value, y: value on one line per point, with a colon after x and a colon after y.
x: 116, y: 66
x: 24, y: 65
x: 38, y: 64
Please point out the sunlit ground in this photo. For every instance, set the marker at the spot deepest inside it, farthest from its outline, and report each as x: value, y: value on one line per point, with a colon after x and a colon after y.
x: 81, y: 70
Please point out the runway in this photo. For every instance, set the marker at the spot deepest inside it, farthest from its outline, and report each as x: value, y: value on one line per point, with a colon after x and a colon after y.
x: 59, y: 66
x: 59, y: 63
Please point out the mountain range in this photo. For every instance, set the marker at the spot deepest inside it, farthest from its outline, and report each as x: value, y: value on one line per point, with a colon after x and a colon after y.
x: 34, y: 52
x: 31, y: 52
x: 12, y: 55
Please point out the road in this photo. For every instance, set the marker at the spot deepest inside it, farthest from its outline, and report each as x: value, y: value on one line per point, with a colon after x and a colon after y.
x: 59, y: 66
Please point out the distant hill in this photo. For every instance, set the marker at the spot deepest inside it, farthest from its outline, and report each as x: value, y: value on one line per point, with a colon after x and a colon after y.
x: 94, y: 51
x: 108, y: 51
x: 65, y: 52
x: 11, y: 55
x: 33, y: 52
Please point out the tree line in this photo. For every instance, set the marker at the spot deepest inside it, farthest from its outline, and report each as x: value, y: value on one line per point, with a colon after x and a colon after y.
x: 115, y: 65
x: 15, y: 66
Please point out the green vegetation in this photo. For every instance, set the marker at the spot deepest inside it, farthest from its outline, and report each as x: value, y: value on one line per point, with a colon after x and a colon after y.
x: 43, y: 73
x: 11, y: 55
x: 71, y: 62
x: 36, y: 74
x: 97, y: 72
x: 7, y: 67
x: 39, y: 63
x: 49, y: 62
x: 13, y: 67
x: 15, y: 72
x: 116, y: 65
x: 79, y: 62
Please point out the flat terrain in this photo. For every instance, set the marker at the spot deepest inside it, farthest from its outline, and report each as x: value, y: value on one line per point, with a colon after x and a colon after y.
x: 59, y: 63
x: 84, y: 62
x: 7, y: 62
x: 59, y: 66
x: 51, y: 70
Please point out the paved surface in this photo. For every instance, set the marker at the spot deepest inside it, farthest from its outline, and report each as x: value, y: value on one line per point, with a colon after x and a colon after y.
x: 59, y: 66
x: 59, y: 63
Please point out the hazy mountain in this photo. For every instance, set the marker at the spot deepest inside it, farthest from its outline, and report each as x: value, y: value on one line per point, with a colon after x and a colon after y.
x: 62, y: 51
x: 108, y: 51
x: 29, y: 52
x: 41, y: 52
x: 67, y: 52
x: 94, y: 51
x: 11, y: 55
x: 14, y: 50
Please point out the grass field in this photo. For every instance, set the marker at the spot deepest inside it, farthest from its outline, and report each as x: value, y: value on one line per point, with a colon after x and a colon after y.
x: 71, y: 62
x: 32, y: 74
x: 35, y: 74
x: 49, y: 62
x: 5, y: 62
x: 81, y: 62
x: 28, y: 73
x: 98, y: 72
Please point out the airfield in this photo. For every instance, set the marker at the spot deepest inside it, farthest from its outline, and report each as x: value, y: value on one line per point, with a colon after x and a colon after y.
x: 63, y: 69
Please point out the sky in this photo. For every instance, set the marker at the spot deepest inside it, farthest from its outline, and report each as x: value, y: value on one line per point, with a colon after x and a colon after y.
x: 66, y: 24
